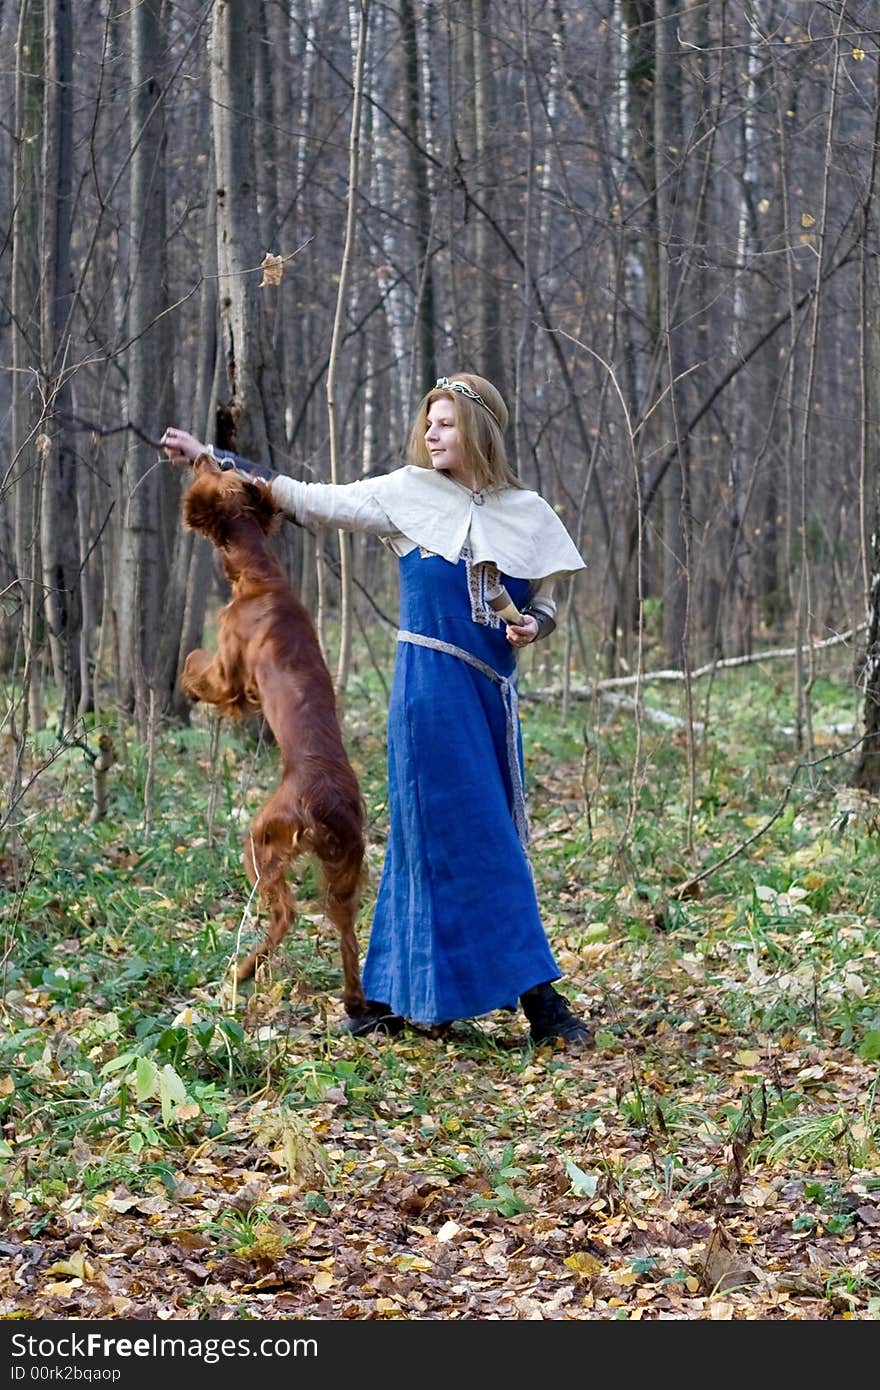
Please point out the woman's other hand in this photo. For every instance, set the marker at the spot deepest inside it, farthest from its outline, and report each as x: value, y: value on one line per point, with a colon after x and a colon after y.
x: 521, y: 634
x: 182, y: 448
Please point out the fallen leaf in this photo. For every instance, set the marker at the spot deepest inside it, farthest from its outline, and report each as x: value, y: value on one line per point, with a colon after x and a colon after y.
x: 747, y: 1058
x: 77, y: 1265
x: 585, y: 1265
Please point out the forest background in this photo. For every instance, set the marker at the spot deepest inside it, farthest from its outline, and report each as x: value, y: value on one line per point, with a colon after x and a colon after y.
x: 653, y: 223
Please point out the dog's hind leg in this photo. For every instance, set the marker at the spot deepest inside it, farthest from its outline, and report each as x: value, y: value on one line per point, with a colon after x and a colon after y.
x: 343, y: 880
x: 267, y: 856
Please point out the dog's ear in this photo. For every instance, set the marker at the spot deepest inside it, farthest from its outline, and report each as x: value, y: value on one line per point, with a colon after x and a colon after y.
x: 205, y: 463
x: 263, y: 506
x: 202, y: 511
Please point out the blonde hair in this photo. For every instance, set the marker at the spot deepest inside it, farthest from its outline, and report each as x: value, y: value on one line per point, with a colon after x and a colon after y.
x: 480, y: 424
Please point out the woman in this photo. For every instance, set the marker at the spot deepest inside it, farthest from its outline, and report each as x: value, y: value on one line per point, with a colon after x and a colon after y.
x: 457, y: 930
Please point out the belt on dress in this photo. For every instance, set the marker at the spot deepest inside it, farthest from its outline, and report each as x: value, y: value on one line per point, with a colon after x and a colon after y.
x: 511, y: 718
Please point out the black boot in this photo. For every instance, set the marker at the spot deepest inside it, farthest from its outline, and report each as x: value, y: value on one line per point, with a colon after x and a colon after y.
x: 379, y: 1018
x: 551, y: 1018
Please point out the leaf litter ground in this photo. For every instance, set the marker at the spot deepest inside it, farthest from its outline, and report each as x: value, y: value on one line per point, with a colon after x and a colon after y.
x: 173, y: 1148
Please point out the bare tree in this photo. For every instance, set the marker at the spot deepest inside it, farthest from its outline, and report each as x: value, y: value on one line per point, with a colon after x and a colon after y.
x: 57, y: 476
x: 141, y: 578
x: 253, y: 384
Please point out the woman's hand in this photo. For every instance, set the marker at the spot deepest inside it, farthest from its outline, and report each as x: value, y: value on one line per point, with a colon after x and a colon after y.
x: 182, y: 448
x: 521, y: 634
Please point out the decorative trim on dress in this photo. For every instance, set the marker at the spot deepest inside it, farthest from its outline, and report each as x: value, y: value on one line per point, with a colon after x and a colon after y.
x: 481, y: 578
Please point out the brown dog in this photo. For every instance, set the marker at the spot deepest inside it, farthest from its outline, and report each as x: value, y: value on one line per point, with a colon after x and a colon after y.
x: 268, y: 659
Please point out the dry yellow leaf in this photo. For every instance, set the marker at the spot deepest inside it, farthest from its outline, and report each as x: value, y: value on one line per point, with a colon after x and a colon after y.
x: 77, y: 1266
x: 267, y: 1248
x: 448, y: 1230
x: 273, y: 269
x: 304, y: 1156
x: 585, y: 1265
x: 407, y: 1262
x: 747, y: 1059
x: 7, y: 1085
x: 322, y: 1281
x: 807, y: 219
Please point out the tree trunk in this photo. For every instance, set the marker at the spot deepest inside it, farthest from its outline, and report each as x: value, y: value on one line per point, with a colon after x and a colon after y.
x: 425, y: 368
x: 59, y: 531
x: 141, y: 580
x: 26, y: 339
x: 667, y: 155
x: 491, y: 329
x: 254, y: 394
x: 345, y: 613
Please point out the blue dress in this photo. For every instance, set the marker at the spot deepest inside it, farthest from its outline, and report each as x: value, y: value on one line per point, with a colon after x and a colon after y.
x: 457, y: 931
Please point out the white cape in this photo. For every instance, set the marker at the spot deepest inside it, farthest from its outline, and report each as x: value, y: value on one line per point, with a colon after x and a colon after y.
x: 514, y: 529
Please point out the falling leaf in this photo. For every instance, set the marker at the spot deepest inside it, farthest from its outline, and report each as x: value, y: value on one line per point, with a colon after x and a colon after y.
x: 858, y: 55
x: 273, y: 269
x: 807, y: 219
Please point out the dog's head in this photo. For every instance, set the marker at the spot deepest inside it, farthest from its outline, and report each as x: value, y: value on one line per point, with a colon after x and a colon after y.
x: 219, y: 501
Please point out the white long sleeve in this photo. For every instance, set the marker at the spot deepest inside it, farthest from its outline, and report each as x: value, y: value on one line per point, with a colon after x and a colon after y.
x: 347, y: 506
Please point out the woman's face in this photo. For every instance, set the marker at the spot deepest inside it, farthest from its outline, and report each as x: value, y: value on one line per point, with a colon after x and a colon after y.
x: 441, y: 440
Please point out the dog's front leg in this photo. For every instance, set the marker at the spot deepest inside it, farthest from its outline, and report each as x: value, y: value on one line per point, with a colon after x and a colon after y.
x: 203, y: 678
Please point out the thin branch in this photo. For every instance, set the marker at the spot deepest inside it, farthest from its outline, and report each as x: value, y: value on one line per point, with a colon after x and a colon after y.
x: 686, y: 889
